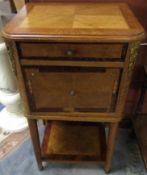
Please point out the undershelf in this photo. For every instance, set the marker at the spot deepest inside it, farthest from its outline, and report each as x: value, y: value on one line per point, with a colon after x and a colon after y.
x: 73, y: 142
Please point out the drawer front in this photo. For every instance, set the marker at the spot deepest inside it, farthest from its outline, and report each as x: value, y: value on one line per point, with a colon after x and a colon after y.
x: 74, y: 89
x: 56, y: 51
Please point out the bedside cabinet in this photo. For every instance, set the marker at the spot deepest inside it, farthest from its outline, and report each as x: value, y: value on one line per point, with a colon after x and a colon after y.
x: 73, y: 63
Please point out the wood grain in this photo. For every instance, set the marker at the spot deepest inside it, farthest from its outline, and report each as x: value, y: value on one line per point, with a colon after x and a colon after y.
x: 80, y: 89
x: 69, y: 50
x: 75, y: 145
x: 41, y: 19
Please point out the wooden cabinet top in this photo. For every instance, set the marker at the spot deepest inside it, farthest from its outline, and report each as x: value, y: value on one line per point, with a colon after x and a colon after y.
x: 111, y: 21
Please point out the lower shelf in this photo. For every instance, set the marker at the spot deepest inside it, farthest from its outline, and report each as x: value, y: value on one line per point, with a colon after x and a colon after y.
x: 73, y: 142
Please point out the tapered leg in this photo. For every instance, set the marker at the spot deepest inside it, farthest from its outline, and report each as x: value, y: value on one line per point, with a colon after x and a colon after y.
x: 110, y: 145
x: 35, y: 141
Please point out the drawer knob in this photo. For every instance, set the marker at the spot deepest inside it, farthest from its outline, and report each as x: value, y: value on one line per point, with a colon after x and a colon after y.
x: 72, y: 93
x: 70, y: 52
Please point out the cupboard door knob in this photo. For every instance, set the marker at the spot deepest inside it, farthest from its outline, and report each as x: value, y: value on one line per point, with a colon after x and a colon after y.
x: 72, y: 93
x: 33, y: 74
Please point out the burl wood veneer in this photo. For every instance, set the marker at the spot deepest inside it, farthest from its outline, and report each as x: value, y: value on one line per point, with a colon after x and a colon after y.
x: 70, y: 142
x: 74, y: 62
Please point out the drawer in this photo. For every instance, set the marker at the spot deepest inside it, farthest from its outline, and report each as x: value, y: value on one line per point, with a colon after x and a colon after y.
x: 61, y: 51
x: 71, y: 89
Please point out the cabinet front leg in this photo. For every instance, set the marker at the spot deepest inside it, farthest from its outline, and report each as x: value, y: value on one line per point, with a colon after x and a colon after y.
x: 110, y: 145
x: 35, y: 141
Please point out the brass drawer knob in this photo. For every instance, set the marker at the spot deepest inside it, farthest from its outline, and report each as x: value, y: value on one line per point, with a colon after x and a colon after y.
x: 69, y: 52
x: 72, y: 93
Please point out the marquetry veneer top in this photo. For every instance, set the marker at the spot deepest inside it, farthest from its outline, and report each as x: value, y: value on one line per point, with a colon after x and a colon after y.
x: 102, y: 20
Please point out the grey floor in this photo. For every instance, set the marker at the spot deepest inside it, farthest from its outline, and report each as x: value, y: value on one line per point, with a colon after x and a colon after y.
x: 127, y: 161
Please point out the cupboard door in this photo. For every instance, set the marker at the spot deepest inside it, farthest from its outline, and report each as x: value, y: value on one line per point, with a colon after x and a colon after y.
x: 53, y: 89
